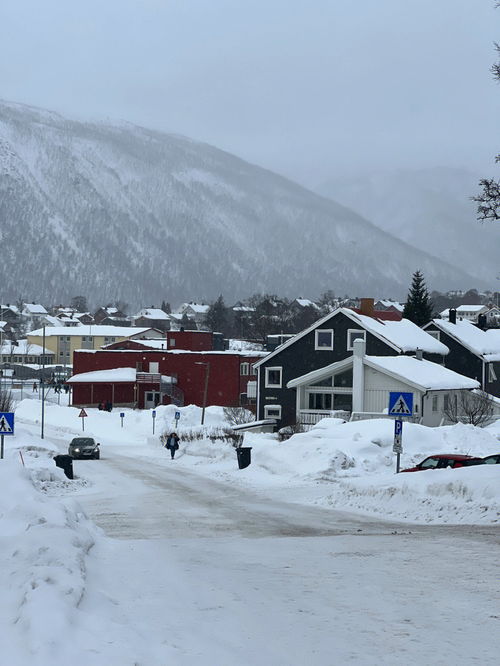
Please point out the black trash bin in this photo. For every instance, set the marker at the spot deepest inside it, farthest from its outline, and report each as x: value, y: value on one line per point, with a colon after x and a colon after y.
x: 244, y: 456
x: 66, y: 463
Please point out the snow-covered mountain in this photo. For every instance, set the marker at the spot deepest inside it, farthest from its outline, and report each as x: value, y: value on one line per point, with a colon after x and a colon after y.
x: 430, y: 209
x: 118, y: 211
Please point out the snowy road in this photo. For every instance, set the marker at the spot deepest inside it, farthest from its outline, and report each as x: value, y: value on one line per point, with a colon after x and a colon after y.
x: 200, y: 572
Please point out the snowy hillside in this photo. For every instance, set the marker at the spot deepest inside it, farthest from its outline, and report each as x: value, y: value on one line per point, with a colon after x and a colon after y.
x: 428, y: 208
x: 117, y: 211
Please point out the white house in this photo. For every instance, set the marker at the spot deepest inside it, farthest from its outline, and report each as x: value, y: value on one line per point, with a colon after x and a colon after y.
x: 472, y: 312
x: 370, y: 379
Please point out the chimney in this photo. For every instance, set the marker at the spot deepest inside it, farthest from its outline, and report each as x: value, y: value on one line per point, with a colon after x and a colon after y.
x: 452, y: 316
x: 419, y: 354
x: 366, y: 306
x: 358, y: 375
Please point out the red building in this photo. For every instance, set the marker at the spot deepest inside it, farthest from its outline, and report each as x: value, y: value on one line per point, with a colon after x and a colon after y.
x: 151, y: 376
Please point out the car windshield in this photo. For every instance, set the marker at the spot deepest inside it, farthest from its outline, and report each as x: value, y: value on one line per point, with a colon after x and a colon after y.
x: 493, y: 460
x: 429, y: 463
x: 83, y: 441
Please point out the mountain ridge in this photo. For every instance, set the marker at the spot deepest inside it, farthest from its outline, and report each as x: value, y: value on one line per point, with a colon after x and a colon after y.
x: 118, y: 211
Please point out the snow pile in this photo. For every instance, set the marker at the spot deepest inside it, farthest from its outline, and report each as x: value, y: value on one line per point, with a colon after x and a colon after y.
x: 42, y: 572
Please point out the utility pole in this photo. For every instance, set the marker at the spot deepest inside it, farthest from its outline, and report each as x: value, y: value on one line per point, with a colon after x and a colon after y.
x: 42, y: 385
x: 205, y: 389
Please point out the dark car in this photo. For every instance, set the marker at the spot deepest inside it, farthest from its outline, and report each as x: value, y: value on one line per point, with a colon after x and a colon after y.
x: 443, y: 460
x: 492, y: 460
x: 84, y: 447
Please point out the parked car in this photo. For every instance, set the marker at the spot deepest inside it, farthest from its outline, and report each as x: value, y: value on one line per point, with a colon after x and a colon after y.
x: 443, y: 460
x: 84, y: 447
x: 492, y: 460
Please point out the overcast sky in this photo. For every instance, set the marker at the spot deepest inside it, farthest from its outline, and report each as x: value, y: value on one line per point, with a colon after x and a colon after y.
x: 308, y: 88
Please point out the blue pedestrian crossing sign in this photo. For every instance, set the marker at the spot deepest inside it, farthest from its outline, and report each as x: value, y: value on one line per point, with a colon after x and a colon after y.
x: 400, y: 404
x: 177, y: 416
x: 6, y: 423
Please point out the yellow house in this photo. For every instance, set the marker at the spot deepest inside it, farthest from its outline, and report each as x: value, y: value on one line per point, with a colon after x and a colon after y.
x: 64, y: 340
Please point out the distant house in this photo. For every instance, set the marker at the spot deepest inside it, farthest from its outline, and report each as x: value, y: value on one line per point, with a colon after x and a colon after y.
x: 111, y: 316
x: 10, y: 314
x: 364, y: 383
x: 466, y: 312
x: 329, y: 340
x: 24, y: 359
x: 153, y: 317
x: 473, y: 352
x: 394, y: 306
x: 196, y: 311
x: 33, y: 315
x: 299, y: 304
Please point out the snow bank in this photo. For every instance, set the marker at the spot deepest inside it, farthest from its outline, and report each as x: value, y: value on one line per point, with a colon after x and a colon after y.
x: 43, y: 549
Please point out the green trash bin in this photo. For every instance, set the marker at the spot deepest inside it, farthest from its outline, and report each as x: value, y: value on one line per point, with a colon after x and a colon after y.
x: 244, y: 456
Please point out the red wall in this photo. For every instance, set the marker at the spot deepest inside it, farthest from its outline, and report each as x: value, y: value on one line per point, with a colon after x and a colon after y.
x: 193, y: 340
x: 224, y: 386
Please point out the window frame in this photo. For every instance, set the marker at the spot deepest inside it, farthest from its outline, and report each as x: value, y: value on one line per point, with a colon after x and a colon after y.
x: 244, y: 369
x: 492, y: 375
x: 323, y: 347
x: 270, y: 416
x: 278, y: 368
x: 350, y: 345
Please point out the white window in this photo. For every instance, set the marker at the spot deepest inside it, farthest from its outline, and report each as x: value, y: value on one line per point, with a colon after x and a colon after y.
x: 434, y: 403
x: 273, y: 377
x: 323, y: 339
x: 171, y: 342
x: 154, y: 367
x: 492, y: 375
x: 244, y: 368
x: 272, y: 411
x: 354, y: 334
x: 434, y: 334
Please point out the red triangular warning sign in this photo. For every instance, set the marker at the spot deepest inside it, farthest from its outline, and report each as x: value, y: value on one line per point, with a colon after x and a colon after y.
x: 82, y: 413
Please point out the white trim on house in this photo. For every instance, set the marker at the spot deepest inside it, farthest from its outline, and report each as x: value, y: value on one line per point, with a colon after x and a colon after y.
x: 317, y: 333
x: 350, y: 343
x: 278, y: 368
x: 270, y: 408
x: 492, y: 375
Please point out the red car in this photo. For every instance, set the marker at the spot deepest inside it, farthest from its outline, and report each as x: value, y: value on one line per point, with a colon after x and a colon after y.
x: 445, y: 460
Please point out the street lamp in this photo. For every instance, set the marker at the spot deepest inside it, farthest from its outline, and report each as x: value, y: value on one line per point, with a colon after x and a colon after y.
x: 205, y: 390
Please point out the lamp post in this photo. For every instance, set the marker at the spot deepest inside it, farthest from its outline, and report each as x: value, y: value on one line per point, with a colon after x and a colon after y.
x: 205, y: 390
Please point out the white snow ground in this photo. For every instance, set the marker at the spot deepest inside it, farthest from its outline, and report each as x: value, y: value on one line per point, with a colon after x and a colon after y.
x: 144, y: 560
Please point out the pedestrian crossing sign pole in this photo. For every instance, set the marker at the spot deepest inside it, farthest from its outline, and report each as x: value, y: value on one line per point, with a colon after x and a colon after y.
x: 400, y: 405
x: 6, y: 428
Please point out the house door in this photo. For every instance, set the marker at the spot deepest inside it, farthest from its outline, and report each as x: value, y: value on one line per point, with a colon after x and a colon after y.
x: 151, y: 399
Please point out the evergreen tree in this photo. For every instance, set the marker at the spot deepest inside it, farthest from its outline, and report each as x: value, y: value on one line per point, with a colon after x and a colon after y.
x: 165, y: 306
x: 418, y: 306
x: 217, y: 317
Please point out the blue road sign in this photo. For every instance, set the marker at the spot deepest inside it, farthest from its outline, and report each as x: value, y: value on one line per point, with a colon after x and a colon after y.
x: 177, y: 416
x: 398, y: 427
x: 122, y: 415
x: 400, y: 404
x: 6, y: 423
x: 153, y: 413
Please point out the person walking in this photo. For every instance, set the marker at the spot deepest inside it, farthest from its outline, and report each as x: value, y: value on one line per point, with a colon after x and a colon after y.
x: 172, y: 444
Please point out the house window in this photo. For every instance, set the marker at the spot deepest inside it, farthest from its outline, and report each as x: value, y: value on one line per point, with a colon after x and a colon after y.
x: 321, y: 401
x: 354, y: 334
x: 434, y: 403
x: 323, y: 339
x: 446, y: 405
x: 244, y: 368
x: 273, y: 377
x: 272, y: 411
x: 435, y: 334
x: 154, y: 367
x: 171, y: 342
x: 492, y: 375
x: 343, y: 379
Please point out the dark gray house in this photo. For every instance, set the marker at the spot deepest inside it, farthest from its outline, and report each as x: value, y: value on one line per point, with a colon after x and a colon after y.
x: 474, y: 352
x: 327, y: 341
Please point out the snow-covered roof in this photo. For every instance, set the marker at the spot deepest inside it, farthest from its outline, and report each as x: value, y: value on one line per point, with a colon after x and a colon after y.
x: 403, y: 335
x: 155, y: 343
x: 306, y: 303
x: 115, y: 375
x: 23, y: 347
x: 11, y: 307
x: 462, y: 309
x: 479, y: 342
x: 34, y: 309
x: 195, y: 307
x: 152, y: 313
x: 94, y: 330
x: 424, y: 375
x: 394, y: 304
